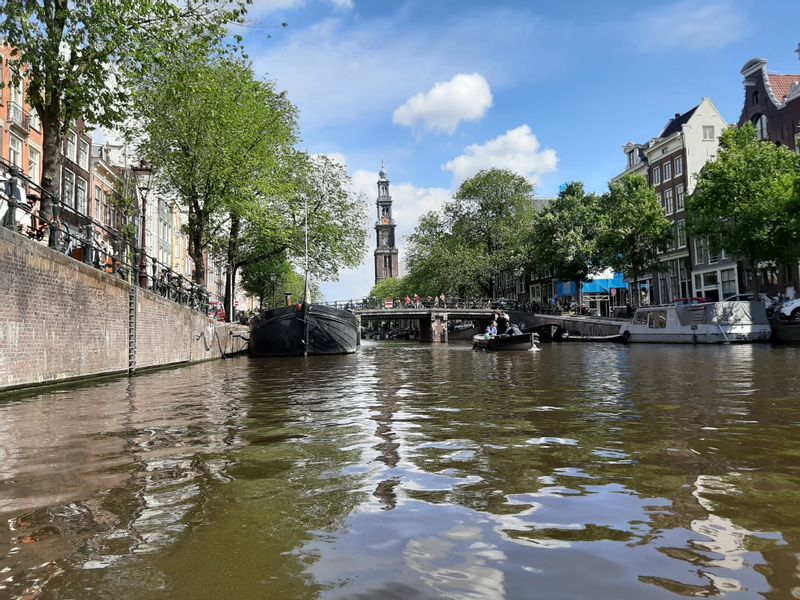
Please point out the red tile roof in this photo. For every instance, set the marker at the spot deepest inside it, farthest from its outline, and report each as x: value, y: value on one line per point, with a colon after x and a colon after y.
x: 782, y: 85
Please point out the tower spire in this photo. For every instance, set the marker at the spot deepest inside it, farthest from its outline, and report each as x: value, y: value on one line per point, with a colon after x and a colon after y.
x: 387, y: 262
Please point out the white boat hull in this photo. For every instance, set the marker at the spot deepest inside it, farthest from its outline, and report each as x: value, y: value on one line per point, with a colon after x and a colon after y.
x: 708, y: 323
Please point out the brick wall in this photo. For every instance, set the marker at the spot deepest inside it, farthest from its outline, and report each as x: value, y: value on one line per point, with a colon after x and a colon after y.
x: 61, y: 319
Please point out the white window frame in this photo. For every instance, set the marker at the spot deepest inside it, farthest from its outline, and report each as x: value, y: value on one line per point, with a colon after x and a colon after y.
x: 680, y: 198
x: 99, y: 200
x: 700, y: 244
x: 83, y: 154
x: 12, y: 152
x: 81, y: 204
x: 669, y: 203
x: 68, y: 199
x: 656, y: 175
x: 680, y: 231
x: 667, y: 170
x: 72, y: 145
x: 709, y: 133
x: 678, y: 165
x: 34, y: 166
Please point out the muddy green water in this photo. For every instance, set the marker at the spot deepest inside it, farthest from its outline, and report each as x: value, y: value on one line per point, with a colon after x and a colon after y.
x: 412, y: 471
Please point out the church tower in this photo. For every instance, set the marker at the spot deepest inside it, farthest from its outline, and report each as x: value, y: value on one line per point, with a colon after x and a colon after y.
x: 387, y: 262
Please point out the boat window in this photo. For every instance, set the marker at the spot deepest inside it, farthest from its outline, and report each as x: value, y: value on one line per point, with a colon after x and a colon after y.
x: 658, y: 319
x: 640, y: 317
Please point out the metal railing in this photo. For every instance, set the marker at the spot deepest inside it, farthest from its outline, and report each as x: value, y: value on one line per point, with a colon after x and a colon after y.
x: 75, y: 234
x: 19, y: 116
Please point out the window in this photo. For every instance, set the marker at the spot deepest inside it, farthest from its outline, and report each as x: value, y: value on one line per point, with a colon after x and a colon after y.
x: 678, y: 166
x: 669, y: 206
x: 83, y: 154
x: 680, y: 228
x: 657, y: 319
x: 72, y: 141
x: 15, y: 150
x: 755, y: 97
x: 34, y: 163
x: 761, y: 127
x: 680, y: 198
x: 667, y: 171
x: 98, y: 200
x: 656, y: 175
x: 68, y: 188
x: 700, y: 251
x: 708, y: 133
x: 728, y: 280
x: 80, y: 196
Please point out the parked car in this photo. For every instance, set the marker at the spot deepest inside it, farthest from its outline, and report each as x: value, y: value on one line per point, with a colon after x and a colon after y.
x: 770, y: 303
x: 791, y: 309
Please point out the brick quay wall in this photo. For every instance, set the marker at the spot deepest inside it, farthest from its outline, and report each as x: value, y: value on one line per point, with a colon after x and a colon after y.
x: 61, y: 319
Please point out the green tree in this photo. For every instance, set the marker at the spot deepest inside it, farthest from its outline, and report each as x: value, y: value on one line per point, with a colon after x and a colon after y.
x: 633, y: 228
x: 492, y: 213
x: 394, y: 287
x: 257, y: 281
x: 337, y: 234
x: 439, y: 262
x: 220, y: 141
x: 563, y: 238
x: 79, y: 57
x: 480, y: 234
x: 747, y: 200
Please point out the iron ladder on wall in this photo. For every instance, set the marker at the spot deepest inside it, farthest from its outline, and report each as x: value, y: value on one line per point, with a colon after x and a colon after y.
x: 132, y: 330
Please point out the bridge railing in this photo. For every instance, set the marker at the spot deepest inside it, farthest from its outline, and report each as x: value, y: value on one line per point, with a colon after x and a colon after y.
x: 452, y: 303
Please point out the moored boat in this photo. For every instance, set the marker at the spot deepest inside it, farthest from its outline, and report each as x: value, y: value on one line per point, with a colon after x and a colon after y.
x: 522, y: 341
x: 702, y: 323
x: 303, y: 329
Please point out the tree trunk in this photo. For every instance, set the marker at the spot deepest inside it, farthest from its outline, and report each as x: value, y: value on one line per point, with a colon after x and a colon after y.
x: 51, y: 172
x: 636, y: 296
x: 195, y: 251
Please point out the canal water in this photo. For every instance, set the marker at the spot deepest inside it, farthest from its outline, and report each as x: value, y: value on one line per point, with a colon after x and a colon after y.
x: 412, y: 471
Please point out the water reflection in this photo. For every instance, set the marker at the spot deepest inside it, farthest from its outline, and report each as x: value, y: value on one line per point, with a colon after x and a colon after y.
x: 412, y: 470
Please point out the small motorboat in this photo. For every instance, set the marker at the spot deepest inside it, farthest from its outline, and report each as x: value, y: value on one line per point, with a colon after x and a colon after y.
x: 521, y: 341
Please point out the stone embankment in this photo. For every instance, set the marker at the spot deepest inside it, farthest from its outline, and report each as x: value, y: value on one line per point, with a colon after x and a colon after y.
x: 61, y: 320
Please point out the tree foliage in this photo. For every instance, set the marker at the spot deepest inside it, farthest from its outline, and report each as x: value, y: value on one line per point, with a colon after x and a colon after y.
x: 564, y: 236
x: 479, y: 234
x: 747, y: 200
x: 222, y: 142
x: 337, y: 234
x: 633, y: 228
x: 393, y: 287
x: 79, y: 57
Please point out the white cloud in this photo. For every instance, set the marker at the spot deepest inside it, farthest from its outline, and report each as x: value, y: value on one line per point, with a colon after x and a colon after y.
x: 342, y: 70
x: 343, y: 4
x: 409, y: 203
x: 518, y: 150
x: 691, y: 25
x: 259, y: 8
x: 446, y: 104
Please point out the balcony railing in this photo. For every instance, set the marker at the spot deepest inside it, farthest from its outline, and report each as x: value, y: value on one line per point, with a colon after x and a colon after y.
x: 19, y: 117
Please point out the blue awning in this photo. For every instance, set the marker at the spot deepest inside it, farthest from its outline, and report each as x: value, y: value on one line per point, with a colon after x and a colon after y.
x: 604, y: 286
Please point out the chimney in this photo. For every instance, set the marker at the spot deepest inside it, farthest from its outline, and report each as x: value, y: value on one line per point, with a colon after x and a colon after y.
x: 677, y: 115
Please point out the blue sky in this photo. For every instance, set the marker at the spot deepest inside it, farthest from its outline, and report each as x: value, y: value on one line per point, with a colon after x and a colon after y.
x: 553, y: 90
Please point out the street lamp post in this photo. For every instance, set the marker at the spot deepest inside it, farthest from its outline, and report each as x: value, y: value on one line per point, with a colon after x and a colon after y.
x: 144, y: 176
x: 272, y: 278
